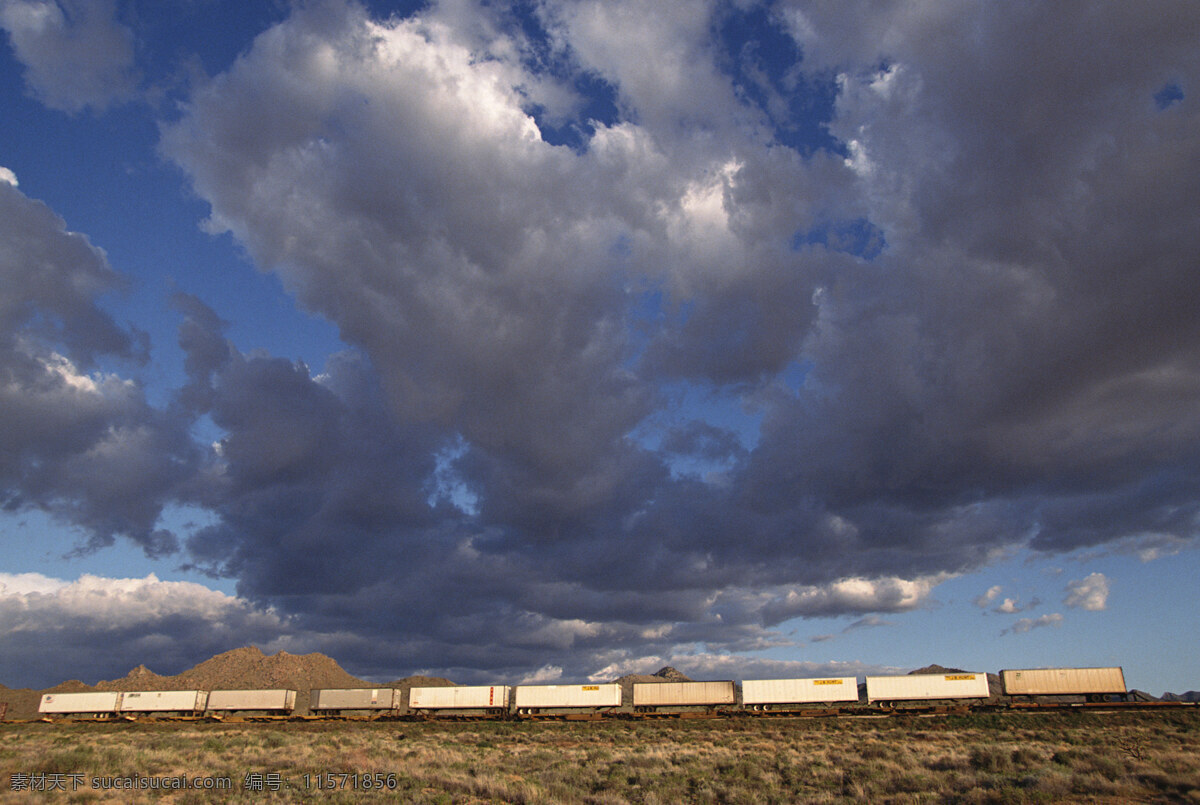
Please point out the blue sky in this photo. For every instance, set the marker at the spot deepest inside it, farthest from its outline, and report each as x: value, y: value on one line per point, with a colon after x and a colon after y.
x: 563, y: 339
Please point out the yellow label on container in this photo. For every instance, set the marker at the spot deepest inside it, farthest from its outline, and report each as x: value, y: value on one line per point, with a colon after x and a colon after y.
x: 591, y: 687
x: 960, y: 678
x: 827, y: 681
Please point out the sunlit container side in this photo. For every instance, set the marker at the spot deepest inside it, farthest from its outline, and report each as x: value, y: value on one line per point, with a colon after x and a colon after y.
x: 799, y: 691
x: 927, y: 686
x: 542, y: 696
x: 354, y: 699
x: 1062, y: 681
x: 274, y: 700
x: 164, y: 701
x: 473, y: 697
x: 98, y: 703
x: 667, y: 694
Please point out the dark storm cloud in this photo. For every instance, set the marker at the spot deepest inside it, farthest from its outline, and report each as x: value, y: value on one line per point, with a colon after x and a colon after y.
x: 1010, y: 360
x: 1024, y: 338
x: 76, y: 442
x: 329, y: 507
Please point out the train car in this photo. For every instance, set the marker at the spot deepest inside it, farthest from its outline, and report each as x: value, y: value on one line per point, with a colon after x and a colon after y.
x: 917, y: 687
x: 268, y: 701
x: 549, y: 699
x: 338, y: 700
x: 1093, y: 683
x: 184, y: 702
x: 476, y: 698
x: 764, y: 694
x: 98, y: 704
x: 652, y: 696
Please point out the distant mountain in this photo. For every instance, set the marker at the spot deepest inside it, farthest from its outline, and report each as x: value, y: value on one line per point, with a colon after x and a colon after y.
x: 664, y: 674
x: 669, y: 674
x: 1190, y: 696
x: 937, y: 669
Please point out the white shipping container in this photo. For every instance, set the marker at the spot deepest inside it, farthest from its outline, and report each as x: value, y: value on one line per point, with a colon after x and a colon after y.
x: 927, y: 686
x: 529, y: 696
x: 794, y: 691
x: 354, y: 699
x: 1057, y: 681
x: 164, y: 701
x: 466, y: 697
x: 652, y: 694
x: 252, y: 700
x: 80, y: 703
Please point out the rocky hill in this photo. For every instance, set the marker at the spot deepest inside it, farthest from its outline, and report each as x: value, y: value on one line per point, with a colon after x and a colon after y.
x: 21, y: 702
x: 937, y: 669
x: 1190, y: 696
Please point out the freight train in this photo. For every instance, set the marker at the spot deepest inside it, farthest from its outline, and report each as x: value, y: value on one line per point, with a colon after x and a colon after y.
x: 952, y: 690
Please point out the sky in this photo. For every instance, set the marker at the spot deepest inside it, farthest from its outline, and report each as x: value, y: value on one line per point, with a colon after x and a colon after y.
x: 560, y: 339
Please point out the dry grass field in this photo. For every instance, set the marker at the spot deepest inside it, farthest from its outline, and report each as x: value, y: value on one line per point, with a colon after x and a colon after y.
x: 1002, y: 758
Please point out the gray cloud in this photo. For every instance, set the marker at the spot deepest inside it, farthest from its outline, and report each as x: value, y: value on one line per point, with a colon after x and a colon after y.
x: 79, y: 443
x: 75, y: 52
x: 1027, y: 624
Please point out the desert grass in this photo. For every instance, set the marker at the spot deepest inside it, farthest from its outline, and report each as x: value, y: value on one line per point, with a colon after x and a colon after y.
x: 1001, y: 758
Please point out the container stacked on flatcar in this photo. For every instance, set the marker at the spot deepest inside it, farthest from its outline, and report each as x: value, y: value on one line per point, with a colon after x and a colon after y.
x: 263, y: 701
x: 460, y: 700
x: 681, y: 696
x: 563, y: 699
x: 1091, y: 683
x: 926, y: 687
x: 98, y: 705
x: 767, y: 694
x: 342, y: 700
x: 183, y: 702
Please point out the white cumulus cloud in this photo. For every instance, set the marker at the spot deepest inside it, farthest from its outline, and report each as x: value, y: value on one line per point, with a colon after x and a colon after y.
x: 1090, y: 593
x: 852, y: 595
x: 985, y: 600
